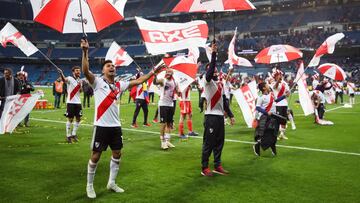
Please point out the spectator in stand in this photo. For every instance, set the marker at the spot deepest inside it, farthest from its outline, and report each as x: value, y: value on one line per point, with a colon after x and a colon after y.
x: 88, y: 92
x: 8, y: 86
x: 25, y: 88
x: 58, y: 90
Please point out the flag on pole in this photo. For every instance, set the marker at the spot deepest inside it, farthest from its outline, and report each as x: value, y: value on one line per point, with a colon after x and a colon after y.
x: 246, y: 97
x: 327, y: 47
x: 233, y: 59
x: 9, y: 34
x: 118, y: 55
x: 161, y: 38
x: 16, y: 108
x: 304, y: 95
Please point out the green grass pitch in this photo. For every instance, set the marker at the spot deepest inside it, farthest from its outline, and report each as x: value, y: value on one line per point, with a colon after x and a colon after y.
x: 37, y: 166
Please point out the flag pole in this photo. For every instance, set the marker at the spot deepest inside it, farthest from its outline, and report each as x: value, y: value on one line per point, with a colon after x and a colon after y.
x: 214, y: 24
x: 82, y: 21
x: 47, y: 58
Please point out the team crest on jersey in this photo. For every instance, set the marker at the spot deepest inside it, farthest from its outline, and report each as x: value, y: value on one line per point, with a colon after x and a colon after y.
x: 211, y: 130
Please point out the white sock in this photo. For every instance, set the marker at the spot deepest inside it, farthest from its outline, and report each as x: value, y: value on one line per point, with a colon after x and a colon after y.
x: 291, y: 118
x: 114, y: 169
x: 167, y: 137
x: 75, y: 127
x: 91, y: 172
x: 68, y: 129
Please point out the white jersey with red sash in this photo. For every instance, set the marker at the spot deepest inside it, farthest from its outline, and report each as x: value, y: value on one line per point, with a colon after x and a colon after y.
x: 167, y: 93
x: 280, y: 91
x: 73, y: 90
x: 351, y: 87
x: 267, y: 102
x: 106, y: 95
x: 140, y: 92
x: 338, y: 86
x: 213, y: 92
x: 185, y: 95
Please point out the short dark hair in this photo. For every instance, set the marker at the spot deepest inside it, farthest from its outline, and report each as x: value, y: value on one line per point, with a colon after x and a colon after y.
x: 8, y: 69
x: 261, y: 86
x: 75, y: 67
x: 105, y: 62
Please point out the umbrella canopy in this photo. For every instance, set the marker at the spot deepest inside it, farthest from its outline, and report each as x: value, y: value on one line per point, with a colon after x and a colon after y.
x: 78, y: 16
x: 332, y: 71
x: 211, y: 6
x: 277, y: 54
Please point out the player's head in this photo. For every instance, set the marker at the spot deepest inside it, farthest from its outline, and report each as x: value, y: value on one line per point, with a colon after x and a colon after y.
x: 169, y: 73
x: 76, y: 71
x: 108, y: 68
x: 21, y: 75
x: 7, y: 73
x: 264, y: 87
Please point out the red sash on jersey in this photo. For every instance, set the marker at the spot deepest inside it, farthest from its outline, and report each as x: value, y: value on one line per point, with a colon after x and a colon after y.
x: 140, y: 91
x: 352, y: 87
x: 74, y: 91
x: 336, y: 85
x: 217, y: 95
x: 106, y: 103
x: 282, y: 90
x: 268, y: 108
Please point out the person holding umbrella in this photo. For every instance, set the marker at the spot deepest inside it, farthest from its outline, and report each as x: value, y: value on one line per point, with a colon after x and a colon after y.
x: 280, y: 87
x: 214, y: 127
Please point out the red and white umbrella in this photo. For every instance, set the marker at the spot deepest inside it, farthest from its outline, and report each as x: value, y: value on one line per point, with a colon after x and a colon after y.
x: 213, y: 5
x: 78, y: 16
x: 332, y: 71
x: 277, y: 54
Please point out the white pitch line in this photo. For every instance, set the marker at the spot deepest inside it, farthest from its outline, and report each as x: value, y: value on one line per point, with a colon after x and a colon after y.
x: 227, y: 140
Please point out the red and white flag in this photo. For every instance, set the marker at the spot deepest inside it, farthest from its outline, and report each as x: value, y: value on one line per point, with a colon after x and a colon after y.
x: 9, y: 34
x: 304, y: 95
x: 185, y: 69
x: 161, y: 38
x: 233, y: 59
x: 16, y: 108
x: 118, y: 55
x: 246, y: 97
x: 327, y: 47
x: 212, y: 5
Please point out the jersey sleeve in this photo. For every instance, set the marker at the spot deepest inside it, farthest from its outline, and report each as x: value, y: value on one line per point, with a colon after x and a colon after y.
x: 124, y: 85
x: 95, y: 83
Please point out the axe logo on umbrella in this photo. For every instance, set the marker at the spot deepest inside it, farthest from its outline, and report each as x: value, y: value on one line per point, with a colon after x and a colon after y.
x: 79, y: 19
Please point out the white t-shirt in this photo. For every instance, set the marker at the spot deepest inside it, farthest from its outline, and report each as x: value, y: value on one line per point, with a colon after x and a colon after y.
x: 315, y: 83
x: 73, y: 90
x: 338, y: 86
x: 351, y: 87
x: 167, y: 93
x: 320, y: 95
x: 185, y: 95
x: 280, y: 91
x: 140, y: 92
x: 106, y: 96
x: 264, y: 101
x: 214, y: 92
x: 227, y: 88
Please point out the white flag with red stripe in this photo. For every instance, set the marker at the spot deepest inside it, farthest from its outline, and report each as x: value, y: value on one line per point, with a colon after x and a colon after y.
x: 233, y: 59
x: 161, y: 38
x: 118, y: 55
x: 213, y: 5
x: 16, y: 108
x: 9, y: 34
x: 327, y: 47
x: 185, y: 69
x: 304, y: 95
x: 246, y: 97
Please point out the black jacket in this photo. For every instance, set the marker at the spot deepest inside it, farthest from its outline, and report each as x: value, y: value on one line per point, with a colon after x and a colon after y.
x: 2, y: 86
x: 26, y: 87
